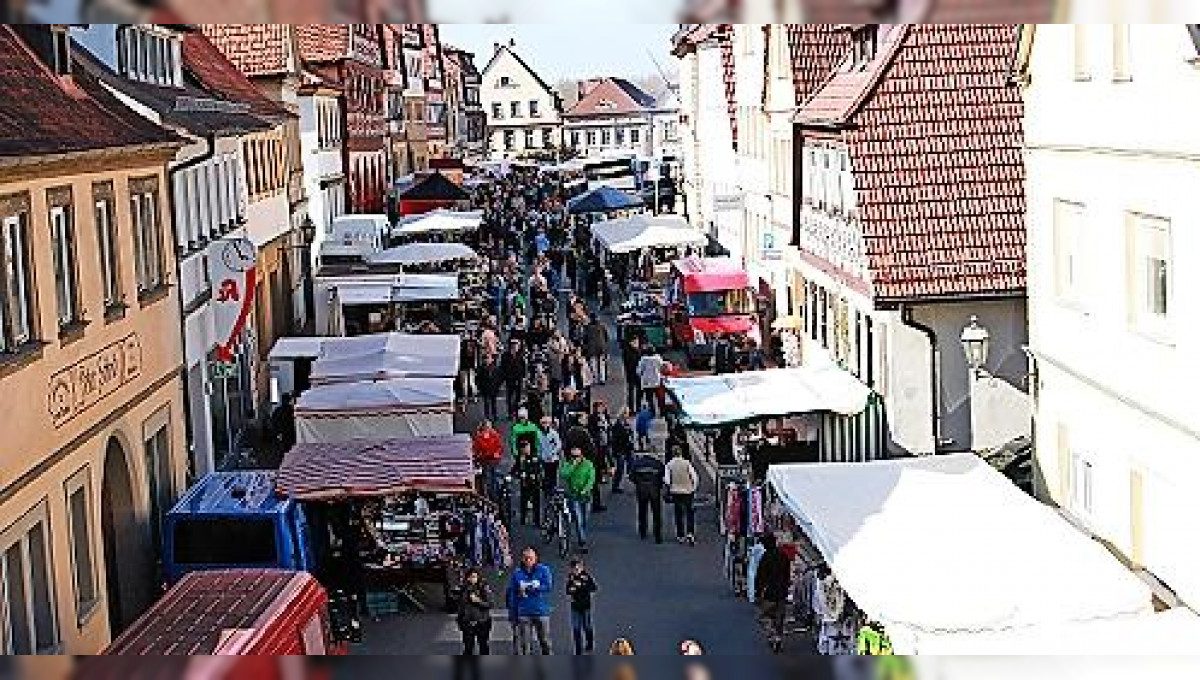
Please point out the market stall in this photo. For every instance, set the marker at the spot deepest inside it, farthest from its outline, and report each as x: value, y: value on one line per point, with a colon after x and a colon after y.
x: 408, y: 508
x: 399, y: 409
x: 426, y: 192
x: 603, y: 199
x: 375, y: 303
x: 646, y: 232
x: 438, y: 225
x: 379, y: 356
x: 454, y: 255
x: 944, y: 546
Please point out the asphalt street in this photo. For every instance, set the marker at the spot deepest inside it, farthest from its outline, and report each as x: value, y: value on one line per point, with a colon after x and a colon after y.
x: 654, y: 595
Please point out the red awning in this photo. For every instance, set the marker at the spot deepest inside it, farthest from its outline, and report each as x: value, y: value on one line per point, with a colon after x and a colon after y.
x: 369, y: 467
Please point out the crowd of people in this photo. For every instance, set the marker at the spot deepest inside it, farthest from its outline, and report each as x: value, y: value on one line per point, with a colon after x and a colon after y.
x: 545, y: 347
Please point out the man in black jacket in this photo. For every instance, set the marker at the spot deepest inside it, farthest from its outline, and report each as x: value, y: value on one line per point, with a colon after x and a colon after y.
x: 647, y: 474
x: 512, y: 369
x: 488, y: 381
x: 631, y: 353
x: 771, y: 584
x: 724, y: 356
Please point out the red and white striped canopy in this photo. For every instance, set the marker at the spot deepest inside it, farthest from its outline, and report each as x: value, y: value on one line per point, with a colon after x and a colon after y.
x: 377, y: 467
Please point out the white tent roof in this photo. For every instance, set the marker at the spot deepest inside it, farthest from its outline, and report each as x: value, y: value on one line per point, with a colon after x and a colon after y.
x: 945, y: 545
x: 405, y: 394
x: 1174, y: 631
x: 296, y: 348
x: 714, y: 400
x: 645, y: 231
x: 386, y: 355
x: 440, y: 220
x: 420, y: 253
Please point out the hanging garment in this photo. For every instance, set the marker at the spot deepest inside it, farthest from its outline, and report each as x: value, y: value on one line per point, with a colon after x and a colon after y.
x: 733, y: 509
x: 757, y: 520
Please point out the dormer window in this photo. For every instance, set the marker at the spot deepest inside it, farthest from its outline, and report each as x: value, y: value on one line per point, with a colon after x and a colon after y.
x: 866, y: 44
x: 150, y: 56
x: 61, y: 46
x: 606, y: 104
x: 505, y: 81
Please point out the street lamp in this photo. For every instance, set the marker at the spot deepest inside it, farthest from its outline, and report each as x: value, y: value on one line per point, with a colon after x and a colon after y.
x: 975, y: 341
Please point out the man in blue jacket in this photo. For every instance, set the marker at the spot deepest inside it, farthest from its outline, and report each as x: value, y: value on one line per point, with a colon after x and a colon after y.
x: 529, y: 607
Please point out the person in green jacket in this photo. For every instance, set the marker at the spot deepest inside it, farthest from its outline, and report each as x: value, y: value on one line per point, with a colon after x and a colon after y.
x: 579, y: 477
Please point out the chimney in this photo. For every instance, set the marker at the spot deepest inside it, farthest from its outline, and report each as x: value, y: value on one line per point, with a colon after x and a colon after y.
x: 512, y: 43
x: 496, y: 47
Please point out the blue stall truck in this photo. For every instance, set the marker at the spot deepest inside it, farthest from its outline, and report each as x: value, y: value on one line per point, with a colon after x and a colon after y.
x: 235, y: 519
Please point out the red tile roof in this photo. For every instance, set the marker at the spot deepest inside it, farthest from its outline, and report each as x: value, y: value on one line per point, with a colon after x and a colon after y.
x: 816, y: 50
x: 626, y: 99
x: 846, y: 88
x: 218, y: 74
x: 990, y: 11
x: 729, y: 75
x: 935, y: 147
x: 256, y: 49
x: 323, y: 42
x: 41, y: 113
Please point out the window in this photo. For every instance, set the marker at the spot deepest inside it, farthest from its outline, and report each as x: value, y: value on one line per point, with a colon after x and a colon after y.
x: 529, y: 139
x: 497, y: 111
x: 28, y: 603
x: 62, y: 50
x: 1068, y: 251
x: 547, y: 138
x: 106, y: 237
x: 62, y: 240
x: 591, y: 137
x: 1121, y: 67
x: 79, y: 489
x: 606, y: 137
x: 225, y: 541
x: 635, y: 136
x: 505, y: 81
x: 1149, y: 273
x: 620, y: 136
x: 575, y: 138
x: 866, y: 44
x: 515, y: 109
x: 159, y: 477
x: 534, y: 112
x: 149, y: 57
x: 17, y: 314
x: 510, y: 140
x: 143, y: 200
x: 1081, y: 485
x: 1082, y: 69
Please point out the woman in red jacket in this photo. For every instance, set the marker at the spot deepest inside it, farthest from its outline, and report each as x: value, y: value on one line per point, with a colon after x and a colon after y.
x: 488, y: 448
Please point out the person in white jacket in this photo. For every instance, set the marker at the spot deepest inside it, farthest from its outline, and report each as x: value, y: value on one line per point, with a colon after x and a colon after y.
x: 682, y: 481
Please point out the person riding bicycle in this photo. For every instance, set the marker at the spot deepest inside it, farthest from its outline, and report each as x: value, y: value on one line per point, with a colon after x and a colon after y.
x: 579, y: 478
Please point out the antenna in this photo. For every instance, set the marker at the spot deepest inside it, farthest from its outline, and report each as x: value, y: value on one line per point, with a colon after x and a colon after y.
x: 662, y: 73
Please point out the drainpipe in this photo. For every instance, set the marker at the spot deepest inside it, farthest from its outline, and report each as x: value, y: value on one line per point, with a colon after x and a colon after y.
x: 934, y: 374
x: 188, y: 430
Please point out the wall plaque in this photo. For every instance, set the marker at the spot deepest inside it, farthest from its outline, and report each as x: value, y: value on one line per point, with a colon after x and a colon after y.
x: 82, y: 385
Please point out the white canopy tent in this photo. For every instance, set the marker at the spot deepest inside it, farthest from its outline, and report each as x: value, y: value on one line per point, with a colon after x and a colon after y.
x: 439, y: 221
x: 718, y: 400
x: 422, y: 253
x: 387, y: 356
x: 390, y: 409
x: 945, y: 545
x: 1175, y: 631
x: 646, y: 231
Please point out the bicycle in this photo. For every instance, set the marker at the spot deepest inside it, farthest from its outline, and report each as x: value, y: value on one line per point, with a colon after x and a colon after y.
x: 557, y: 523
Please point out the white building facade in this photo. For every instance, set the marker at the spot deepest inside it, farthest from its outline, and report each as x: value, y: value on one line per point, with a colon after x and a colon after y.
x: 1113, y: 159
x: 524, y: 114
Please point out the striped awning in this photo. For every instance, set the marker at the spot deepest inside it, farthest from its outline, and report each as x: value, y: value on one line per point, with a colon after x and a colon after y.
x: 377, y: 467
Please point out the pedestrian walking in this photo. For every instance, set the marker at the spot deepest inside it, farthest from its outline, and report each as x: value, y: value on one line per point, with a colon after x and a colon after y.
x: 724, y: 355
x: 650, y: 376
x: 682, y: 480
x: 529, y: 607
x: 489, y: 380
x: 647, y: 474
x: 645, y: 419
x: 475, y: 614
x: 631, y: 354
x: 595, y: 347
x: 621, y: 440
x: 488, y: 450
x: 527, y: 468
x: 513, y: 367
x: 580, y: 588
x: 579, y: 479
x: 771, y: 583
x: 550, y: 449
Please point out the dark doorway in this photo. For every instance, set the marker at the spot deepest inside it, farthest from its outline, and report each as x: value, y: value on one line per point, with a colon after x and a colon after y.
x: 128, y: 570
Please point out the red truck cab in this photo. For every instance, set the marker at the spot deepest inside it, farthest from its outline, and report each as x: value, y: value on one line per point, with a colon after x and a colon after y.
x: 707, y: 297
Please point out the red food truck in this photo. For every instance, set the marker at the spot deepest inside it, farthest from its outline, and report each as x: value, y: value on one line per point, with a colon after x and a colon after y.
x: 235, y: 612
x: 707, y: 297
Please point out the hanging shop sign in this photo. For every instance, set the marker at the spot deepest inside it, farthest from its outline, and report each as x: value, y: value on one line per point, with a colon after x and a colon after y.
x: 233, y: 272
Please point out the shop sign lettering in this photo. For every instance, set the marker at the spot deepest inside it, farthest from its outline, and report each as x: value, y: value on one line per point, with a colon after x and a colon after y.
x: 82, y: 385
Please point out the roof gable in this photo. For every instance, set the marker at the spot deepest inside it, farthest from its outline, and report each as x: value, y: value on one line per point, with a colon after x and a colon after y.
x: 505, y: 50
x: 816, y: 50
x: 256, y: 49
x: 209, y: 66
x: 612, y: 97
x: 936, y: 152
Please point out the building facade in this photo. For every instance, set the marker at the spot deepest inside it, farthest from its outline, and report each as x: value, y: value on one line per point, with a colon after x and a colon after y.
x: 94, y: 448
x: 612, y: 119
x: 434, y: 68
x: 1110, y: 259
x: 466, y: 118
x: 907, y: 226
x: 524, y: 114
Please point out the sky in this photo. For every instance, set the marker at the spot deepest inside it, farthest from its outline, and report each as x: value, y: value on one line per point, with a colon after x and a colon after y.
x: 573, y: 51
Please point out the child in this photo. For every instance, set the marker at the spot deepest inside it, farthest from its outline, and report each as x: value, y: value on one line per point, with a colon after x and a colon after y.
x: 645, y: 417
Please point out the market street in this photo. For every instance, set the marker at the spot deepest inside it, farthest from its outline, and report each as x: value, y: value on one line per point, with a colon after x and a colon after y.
x: 654, y: 595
